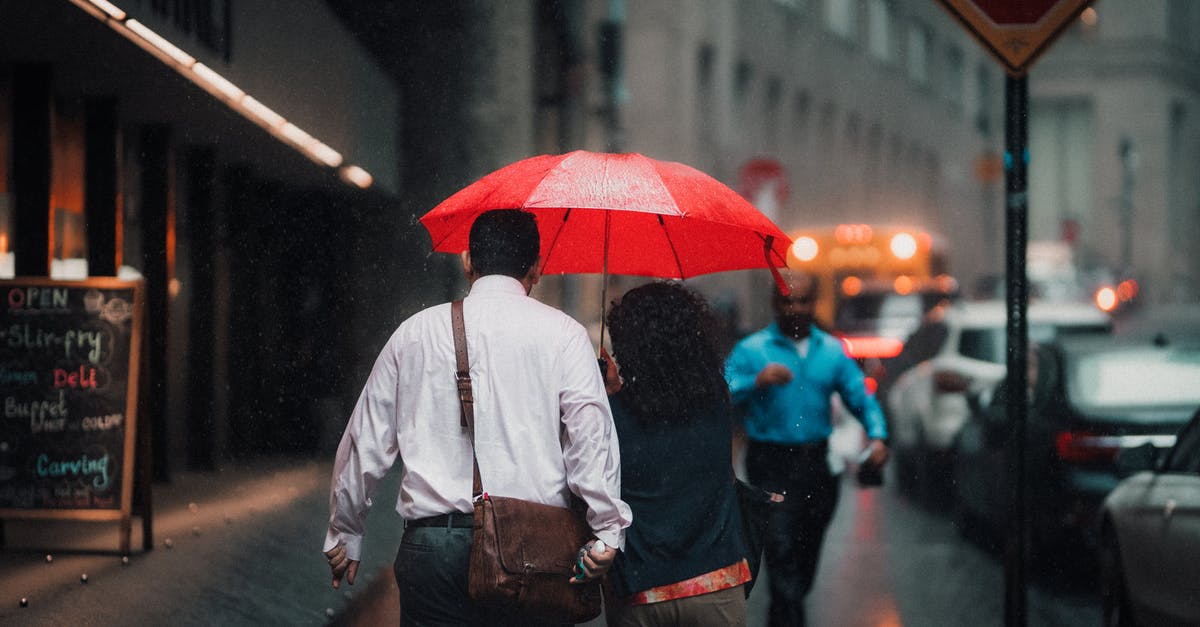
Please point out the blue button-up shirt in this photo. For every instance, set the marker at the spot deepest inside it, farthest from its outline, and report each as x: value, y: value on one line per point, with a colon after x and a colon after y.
x: 798, y: 412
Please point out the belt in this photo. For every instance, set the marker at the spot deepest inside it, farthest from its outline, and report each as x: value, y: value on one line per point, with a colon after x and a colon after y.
x: 456, y: 520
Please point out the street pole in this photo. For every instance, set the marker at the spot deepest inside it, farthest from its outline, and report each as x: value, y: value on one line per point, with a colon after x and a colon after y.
x: 1016, y: 157
x: 1128, y: 164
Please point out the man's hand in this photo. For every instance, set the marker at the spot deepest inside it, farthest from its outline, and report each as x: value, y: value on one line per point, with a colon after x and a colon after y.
x: 340, y: 564
x: 879, y: 452
x: 772, y: 374
x: 595, y: 558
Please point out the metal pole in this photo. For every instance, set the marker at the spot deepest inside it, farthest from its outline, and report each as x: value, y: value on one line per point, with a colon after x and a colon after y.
x: 1128, y: 163
x: 1016, y: 157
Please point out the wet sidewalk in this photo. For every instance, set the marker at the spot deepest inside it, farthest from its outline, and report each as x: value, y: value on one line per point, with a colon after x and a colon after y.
x: 239, y: 546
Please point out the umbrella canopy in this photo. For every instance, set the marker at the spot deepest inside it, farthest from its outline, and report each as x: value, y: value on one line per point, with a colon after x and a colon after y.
x: 620, y: 214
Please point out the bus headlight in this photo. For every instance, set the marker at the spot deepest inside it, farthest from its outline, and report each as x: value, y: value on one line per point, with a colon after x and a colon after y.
x: 805, y: 248
x: 903, y: 245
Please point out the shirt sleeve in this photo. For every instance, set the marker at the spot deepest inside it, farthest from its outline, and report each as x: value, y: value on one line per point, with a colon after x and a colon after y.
x: 853, y: 390
x: 367, y: 451
x: 740, y: 374
x: 590, y: 448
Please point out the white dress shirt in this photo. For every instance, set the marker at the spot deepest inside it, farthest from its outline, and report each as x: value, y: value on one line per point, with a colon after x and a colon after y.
x: 542, y: 420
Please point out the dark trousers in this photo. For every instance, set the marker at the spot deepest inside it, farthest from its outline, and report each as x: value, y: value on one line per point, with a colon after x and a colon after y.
x: 797, y: 526
x: 431, y: 571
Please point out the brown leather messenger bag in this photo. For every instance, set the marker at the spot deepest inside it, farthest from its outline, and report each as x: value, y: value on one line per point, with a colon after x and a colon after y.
x: 522, y: 553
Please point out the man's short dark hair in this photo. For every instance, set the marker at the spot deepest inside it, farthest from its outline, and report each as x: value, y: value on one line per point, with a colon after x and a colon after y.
x: 504, y: 241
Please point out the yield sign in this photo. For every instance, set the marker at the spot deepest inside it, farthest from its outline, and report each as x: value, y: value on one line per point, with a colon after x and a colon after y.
x: 1015, y: 31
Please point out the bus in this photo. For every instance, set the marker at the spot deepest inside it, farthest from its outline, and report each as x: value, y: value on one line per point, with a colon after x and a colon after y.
x: 874, y: 282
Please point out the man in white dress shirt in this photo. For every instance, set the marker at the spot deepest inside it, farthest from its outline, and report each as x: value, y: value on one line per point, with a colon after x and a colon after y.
x: 543, y: 429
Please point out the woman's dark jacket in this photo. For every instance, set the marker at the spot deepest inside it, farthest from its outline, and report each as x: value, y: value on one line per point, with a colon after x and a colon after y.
x: 678, y: 479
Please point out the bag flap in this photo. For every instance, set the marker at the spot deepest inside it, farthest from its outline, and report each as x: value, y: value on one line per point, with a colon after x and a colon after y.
x: 536, y: 537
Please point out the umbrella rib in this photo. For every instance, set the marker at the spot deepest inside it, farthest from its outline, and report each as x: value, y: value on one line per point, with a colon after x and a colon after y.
x: 553, y: 242
x: 670, y: 243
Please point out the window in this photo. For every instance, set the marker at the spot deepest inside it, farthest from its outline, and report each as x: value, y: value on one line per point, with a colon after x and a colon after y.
x: 801, y: 111
x: 840, y: 17
x: 770, y: 127
x: 919, y: 42
x: 743, y: 75
x: 1181, y: 19
x: 1061, y: 155
x: 705, y: 106
x: 1150, y: 378
x: 983, y: 344
x: 953, y: 82
x: 1185, y: 457
x: 984, y: 99
x: 879, y: 29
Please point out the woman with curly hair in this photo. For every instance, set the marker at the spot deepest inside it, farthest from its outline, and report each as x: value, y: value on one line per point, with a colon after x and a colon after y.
x: 684, y: 559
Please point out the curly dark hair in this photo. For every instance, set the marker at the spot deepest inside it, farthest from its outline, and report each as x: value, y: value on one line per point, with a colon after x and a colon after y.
x: 663, y: 340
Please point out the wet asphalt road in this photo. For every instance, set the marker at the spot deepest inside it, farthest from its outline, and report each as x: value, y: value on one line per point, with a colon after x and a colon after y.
x: 246, y: 551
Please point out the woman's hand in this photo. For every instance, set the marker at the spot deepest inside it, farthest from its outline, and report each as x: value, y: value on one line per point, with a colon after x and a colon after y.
x: 612, y: 379
x: 595, y: 558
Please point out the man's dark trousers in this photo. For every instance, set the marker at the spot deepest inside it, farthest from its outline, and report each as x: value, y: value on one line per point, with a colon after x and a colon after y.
x: 797, y: 526
x: 431, y: 571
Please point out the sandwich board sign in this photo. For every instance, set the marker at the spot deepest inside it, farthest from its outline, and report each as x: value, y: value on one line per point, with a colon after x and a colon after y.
x: 1015, y: 31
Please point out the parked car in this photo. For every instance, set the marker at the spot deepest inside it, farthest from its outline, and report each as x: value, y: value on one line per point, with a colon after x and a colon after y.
x: 963, y: 352
x: 1089, y: 399
x: 1150, y: 537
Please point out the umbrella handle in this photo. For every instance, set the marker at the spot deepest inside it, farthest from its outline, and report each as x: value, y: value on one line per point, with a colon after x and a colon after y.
x: 604, y: 284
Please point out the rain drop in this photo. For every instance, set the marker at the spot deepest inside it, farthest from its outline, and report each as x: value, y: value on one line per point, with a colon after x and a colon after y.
x: 193, y: 508
x: 24, y: 602
x: 49, y: 558
x: 195, y: 531
x: 124, y: 560
x: 83, y: 578
x: 168, y: 543
x: 329, y: 612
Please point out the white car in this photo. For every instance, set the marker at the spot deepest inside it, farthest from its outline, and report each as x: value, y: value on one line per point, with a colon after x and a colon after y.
x: 927, y: 404
x: 1150, y: 539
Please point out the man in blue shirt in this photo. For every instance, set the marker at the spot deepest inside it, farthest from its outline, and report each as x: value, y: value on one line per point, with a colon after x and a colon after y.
x: 783, y: 378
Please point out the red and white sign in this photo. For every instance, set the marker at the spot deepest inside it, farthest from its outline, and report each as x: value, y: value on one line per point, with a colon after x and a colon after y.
x: 1015, y: 31
x: 763, y: 182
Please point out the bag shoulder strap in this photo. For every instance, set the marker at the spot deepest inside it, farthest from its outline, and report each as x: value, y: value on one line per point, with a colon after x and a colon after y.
x: 466, y: 398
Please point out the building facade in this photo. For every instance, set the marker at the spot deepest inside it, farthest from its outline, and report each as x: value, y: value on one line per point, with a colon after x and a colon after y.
x: 244, y: 174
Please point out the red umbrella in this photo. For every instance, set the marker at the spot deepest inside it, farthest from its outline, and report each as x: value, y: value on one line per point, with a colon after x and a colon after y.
x: 621, y: 214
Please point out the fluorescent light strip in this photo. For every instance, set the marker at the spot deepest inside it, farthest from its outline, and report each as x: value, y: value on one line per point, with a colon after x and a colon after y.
x: 218, y: 82
x: 214, y: 82
x: 109, y: 8
x: 156, y: 40
x: 296, y: 135
x: 357, y: 176
x: 325, y: 154
x: 262, y: 112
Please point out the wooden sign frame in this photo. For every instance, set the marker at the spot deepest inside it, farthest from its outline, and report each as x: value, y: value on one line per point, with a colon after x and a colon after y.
x: 1015, y: 45
x: 132, y: 457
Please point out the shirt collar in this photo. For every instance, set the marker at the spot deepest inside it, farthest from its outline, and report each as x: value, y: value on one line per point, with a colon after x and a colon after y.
x: 497, y: 284
x: 778, y: 335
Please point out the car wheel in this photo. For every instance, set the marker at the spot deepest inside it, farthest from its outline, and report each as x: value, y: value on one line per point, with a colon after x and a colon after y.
x: 1112, y: 582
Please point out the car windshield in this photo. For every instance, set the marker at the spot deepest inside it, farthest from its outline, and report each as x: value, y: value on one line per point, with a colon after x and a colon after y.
x: 884, y: 313
x: 988, y: 344
x: 1136, y: 379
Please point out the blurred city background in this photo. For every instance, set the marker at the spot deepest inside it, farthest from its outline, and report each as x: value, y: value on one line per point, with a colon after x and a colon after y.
x: 262, y: 164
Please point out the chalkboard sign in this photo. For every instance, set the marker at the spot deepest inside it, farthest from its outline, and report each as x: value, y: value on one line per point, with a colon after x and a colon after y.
x: 68, y: 384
